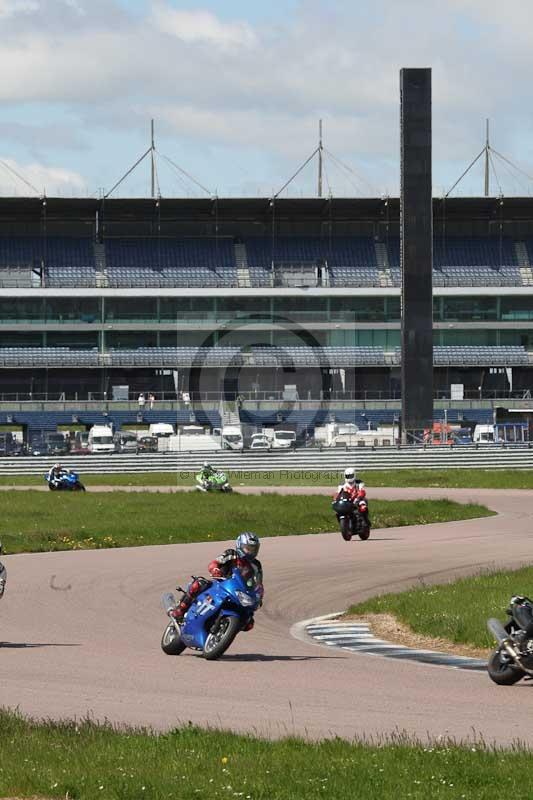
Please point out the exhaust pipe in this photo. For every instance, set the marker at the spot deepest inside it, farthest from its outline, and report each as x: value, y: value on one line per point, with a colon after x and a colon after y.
x: 498, y: 631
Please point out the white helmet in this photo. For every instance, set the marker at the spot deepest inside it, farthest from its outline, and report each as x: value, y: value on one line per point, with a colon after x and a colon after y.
x: 349, y: 476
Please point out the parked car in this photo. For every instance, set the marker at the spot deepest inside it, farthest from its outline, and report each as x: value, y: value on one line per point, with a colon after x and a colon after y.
x: 147, y: 444
x: 260, y: 442
x: 125, y: 442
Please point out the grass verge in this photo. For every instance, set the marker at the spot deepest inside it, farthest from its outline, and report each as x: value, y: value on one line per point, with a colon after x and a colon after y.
x: 455, y: 611
x: 84, y: 761
x: 42, y: 521
x: 452, y: 478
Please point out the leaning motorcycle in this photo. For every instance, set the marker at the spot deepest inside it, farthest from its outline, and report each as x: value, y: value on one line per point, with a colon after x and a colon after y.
x: 352, y: 517
x: 3, y: 574
x: 513, y: 658
x: 217, y: 482
x: 69, y: 482
x: 216, y: 616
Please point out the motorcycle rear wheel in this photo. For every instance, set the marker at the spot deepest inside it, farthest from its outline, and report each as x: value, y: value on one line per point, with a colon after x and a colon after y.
x: 502, y: 672
x: 218, y: 642
x: 346, y: 528
x: 171, y: 643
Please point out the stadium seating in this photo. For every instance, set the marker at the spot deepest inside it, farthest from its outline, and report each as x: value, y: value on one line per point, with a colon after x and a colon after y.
x: 170, y: 262
x: 48, y: 356
x: 475, y: 356
x: 210, y: 262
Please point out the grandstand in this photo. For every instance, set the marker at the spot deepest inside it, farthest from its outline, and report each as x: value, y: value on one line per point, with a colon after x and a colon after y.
x: 223, y: 297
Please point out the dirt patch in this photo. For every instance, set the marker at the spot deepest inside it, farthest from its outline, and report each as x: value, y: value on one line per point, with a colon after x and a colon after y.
x: 387, y: 627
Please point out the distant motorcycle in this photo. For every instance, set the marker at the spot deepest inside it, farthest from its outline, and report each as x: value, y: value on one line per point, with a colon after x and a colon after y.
x: 217, y: 482
x: 352, y: 517
x: 216, y: 616
x: 3, y: 575
x: 513, y: 658
x: 68, y: 482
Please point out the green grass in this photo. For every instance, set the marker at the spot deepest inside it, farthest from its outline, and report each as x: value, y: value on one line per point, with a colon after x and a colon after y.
x: 452, y: 478
x: 84, y: 761
x: 455, y: 611
x: 41, y: 521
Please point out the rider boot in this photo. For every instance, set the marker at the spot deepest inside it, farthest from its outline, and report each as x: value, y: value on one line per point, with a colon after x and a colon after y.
x: 197, y: 586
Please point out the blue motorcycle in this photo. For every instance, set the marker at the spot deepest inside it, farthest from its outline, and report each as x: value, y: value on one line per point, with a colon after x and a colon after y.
x: 215, y: 618
x: 69, y: 482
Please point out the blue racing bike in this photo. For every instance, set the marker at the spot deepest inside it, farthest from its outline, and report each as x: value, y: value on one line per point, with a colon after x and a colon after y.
x: 68, y: 482
x: 216, y: 616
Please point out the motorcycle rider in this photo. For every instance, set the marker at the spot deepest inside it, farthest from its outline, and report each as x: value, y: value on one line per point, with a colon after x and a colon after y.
x: 244, y: 557
x: 56, y: 474
x: 352, y: 486
x: 207, y: 472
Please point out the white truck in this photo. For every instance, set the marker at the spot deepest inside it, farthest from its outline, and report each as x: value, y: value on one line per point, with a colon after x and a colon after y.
x: 161, y: 429
x: 280, y: 440
x: 230, y: 437
x: 100, y: 439
x: 190, y: 437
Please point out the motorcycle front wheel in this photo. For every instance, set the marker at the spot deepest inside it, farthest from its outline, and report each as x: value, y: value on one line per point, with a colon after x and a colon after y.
x: 346, y: 528
x: 363, y: 530
x: 224, y: 633
x: 171, y: 643
x: 79, y: 487
x: 503, y: 672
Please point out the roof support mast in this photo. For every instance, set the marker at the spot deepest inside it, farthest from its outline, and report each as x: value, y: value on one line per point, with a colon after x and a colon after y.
x: 152, y: 153
x: 320, y: 148
x: 487, y: 152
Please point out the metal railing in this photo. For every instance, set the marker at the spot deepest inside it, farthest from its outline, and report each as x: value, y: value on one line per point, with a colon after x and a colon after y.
x: 293, y: 463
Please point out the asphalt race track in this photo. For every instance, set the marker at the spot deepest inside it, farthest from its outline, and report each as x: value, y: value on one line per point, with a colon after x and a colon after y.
x: 80, y: 636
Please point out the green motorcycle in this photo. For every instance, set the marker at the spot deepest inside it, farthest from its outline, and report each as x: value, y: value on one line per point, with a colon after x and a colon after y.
x: 217, y: 482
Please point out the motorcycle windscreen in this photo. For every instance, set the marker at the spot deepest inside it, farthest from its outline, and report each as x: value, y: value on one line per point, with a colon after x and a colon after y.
x: 168, y: 601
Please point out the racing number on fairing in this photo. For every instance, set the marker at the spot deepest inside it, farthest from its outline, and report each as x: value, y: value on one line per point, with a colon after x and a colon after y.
x: 205, y: 606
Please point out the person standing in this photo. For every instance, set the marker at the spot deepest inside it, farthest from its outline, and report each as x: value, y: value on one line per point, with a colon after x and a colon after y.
x: 151, y: 400
x: 141, y: 401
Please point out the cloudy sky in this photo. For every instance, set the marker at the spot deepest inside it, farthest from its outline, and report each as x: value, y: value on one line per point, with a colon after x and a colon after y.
x: 237, y: 87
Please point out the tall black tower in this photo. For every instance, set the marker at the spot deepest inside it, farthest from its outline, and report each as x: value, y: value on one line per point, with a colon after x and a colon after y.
x: 416, y: 233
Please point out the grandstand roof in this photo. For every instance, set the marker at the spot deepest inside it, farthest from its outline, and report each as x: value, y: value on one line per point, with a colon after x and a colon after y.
x: 124, y: 210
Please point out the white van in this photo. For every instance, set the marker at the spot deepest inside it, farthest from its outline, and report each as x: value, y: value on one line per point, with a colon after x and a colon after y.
x: 159, y: 429
x: 282, y: 440
x: 230, y: 437
x: 483, y: 434
x: 100, y: 439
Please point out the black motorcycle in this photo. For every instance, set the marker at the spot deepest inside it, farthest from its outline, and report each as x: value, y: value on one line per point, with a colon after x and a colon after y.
x: 352, y: 517
x: 513, y: 658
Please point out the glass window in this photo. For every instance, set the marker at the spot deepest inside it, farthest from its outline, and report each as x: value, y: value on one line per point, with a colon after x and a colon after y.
x: 515, y: 309
x: 353, y: 309
x: 186, y: 308
x: 130, y: 309
x: 469, y: 309
x: 72, y: 309
x: 21, y: 310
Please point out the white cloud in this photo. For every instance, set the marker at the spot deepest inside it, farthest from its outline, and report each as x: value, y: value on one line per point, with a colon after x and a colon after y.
x: 49, y: 180
x: 201, y: 27
x: 10, y: 8
x: 258, y: 90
